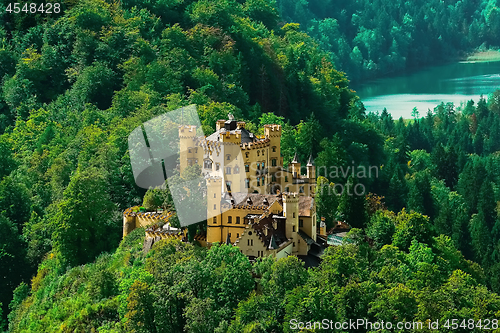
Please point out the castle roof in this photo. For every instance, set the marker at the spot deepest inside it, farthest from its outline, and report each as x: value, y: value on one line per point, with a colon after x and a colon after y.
x: 275, y: 236
x: 272, y: 243
x: 256, y: 200
x: 230, y: 127
x: 311, y: 161
x: 295, y: 158
x: 306, y: 205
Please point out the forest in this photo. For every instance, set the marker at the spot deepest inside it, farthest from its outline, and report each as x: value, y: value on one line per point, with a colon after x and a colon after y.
x: 368, y: 39
x: 425, y: 243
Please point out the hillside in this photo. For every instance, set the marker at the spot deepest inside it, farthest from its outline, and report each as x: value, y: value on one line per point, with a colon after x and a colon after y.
x: 368, y: 39
x: 75, y: 85
x: 425, y: 243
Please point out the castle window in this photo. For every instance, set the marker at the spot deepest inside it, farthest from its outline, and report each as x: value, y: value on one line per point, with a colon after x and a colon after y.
x: 293, y: 244
x: 274, y: 149
x: 293, y: 214
x: 251, y: 242
x: 246, y: 154
x: 262, y: 180
x: 314, y: 221
x: 228, y: 186
x: 195, y: 150
x: 250, y: 233
x: 273, y: 162
x: 217, y: 166
x: 236, y: 169
x: 263, y: 165
x: 237, y: 235
x: 258, y: 181
x: 248, y: 242
x: 287, y: 189
x: 189, y: 150
x: 228, y: 170
x: 229, y: 219
x: 237, y: 220
x: 247, y: 168
x: 215, y: 195
x: 262, y: 151
x: 293, y: 229
x: 273, y: 178
x: 247, y: 183
x: 301, y: 189
x: 301, y: 223
x: 215, y: 207
x: 258, y: 152
x: 286, y: 178
x: 215, y: 219
x: 228, y: 157
x: 258, y: 166
x: 207, y: 164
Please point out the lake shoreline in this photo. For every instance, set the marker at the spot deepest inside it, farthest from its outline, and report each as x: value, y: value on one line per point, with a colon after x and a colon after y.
x: 482, y: 56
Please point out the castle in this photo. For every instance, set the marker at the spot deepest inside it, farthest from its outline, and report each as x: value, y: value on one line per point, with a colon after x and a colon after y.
x: 253, y: 202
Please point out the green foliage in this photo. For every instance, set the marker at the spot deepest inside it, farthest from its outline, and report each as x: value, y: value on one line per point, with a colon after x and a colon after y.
x: 409, y: 227
x: 74, y: 86
x: 381, y: 228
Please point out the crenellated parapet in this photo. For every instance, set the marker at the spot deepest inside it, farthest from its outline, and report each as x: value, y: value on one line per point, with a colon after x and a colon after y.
x: 291, y: 197
x: 187, y: 131
x: 272, y: 131
x: 132, y: 219
x: 255, y: 145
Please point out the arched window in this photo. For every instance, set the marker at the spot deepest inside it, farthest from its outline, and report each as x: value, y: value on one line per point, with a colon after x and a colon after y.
x: 228, y: 157
x: 258, y: 152
x: 236, y: 169
x: 246, y: 154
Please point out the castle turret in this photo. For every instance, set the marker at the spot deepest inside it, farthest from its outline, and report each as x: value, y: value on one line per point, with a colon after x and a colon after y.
x: 274, y: 162
x: 214, y: 216
x: 296, y: 166
x: 311, y: 174
x: 128, y: 223
x: 188, y: 149
x: 291, y: 212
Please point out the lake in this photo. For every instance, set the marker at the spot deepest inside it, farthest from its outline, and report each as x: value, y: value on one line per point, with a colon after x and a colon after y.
x: 426, y: 88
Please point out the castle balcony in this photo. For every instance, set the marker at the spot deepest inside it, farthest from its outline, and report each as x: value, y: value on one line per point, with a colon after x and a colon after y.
x: 300, y: 181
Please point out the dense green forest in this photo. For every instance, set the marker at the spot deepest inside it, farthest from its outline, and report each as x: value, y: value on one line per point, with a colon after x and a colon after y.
x: 426, y: 242
x: 372, y: 38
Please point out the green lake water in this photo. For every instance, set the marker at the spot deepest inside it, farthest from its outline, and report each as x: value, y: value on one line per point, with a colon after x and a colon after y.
x: 424, y: 89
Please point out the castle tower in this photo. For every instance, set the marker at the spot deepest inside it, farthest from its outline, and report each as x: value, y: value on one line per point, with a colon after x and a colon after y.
x: 188, y: 150
x: 291, y: 212
x: 295, y: 166
x: 214, y: 216
x: 311, y: 174
x: 128, y: 224
x: 273, y: 133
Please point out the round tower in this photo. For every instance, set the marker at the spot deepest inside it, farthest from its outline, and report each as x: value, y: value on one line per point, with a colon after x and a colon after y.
x: 291, y: 212
x: 214, y: 218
